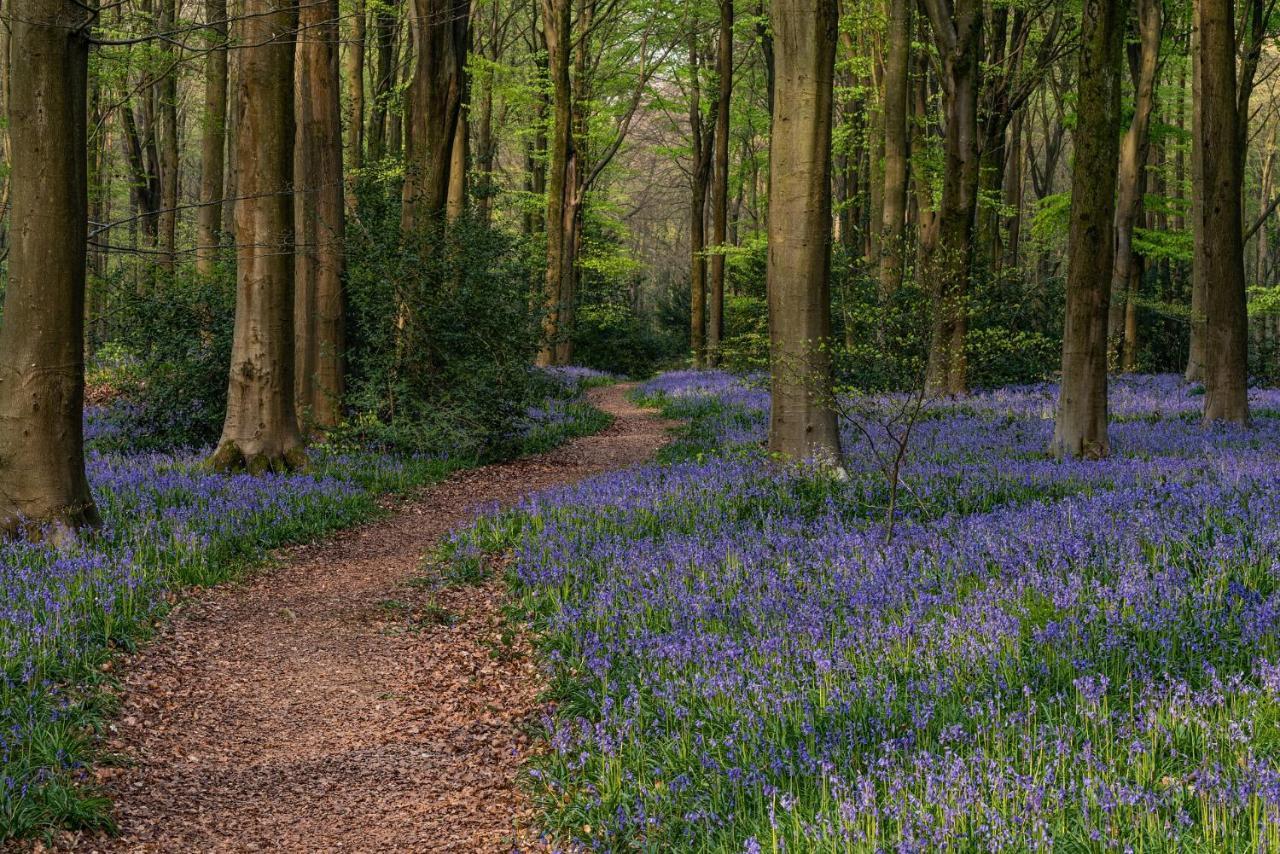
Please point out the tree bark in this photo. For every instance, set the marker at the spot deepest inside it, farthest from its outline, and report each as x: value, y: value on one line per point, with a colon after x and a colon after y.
x: 802, y: 421
x: 720, y: 183
x: 1195, y: 351
x: 213, y: 140
x: 319, y: 322
x: 560, y: 179
x: 958, y: 33
x: 702, y: 143
x: 1144, y: 63
x: 1081, y: 428
x: 1220, y: 250
x: 354, y: 65
x: 435, y: 104
x: 167, y: 101
x: 261, y: 429
x: 42, y: 474
x: 897, y: 92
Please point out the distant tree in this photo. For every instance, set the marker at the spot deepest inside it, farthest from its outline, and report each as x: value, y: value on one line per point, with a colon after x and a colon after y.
x: 435, y: 104
x: 802, y: 421
x: 42, y: 473
x: 213, y: 139
x: 1220, y: 250
x: 897, y: 92
x: 261, y: 432
x: 1081, y: 428
x: 703, y: 149
x: 720, y: 184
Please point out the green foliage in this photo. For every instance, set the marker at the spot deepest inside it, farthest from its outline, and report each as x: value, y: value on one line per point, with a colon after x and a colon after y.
x: 441, y: 333
x: 613, y: 337
x: 168, y: 355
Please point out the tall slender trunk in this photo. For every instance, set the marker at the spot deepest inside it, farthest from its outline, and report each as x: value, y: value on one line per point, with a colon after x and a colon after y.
x: 1081, y: 427
x: 1013, y: 190
x: 319, y: 321
x: 42, y: 474
x: 1144, y: 62
x: 213, y: 139
x: 557, y: 17
x: 354, y: 67
x: 167, y: 102
x: 1220, y: 248
x: 384, y: 27
x: 261, y: 428
x: 1195, y: 352
x: 702, y: 139
x: 897, y: 93
x: 720, y: 183
x: 958, y: 33
x: 802, y: 422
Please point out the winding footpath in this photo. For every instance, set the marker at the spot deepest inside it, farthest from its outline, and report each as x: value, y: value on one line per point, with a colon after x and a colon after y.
x: 328, y: 704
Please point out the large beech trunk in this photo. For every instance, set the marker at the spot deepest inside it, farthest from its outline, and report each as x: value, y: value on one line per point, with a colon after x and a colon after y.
x: 1195, y: 351
x: 435, y: 104
x: 720, y: 184
x: 261, y: 428
x: 319, y: 322
x: 213, y: 140
x: 802, y: 421
x: 1081, y: 428
x: 1220, y: 248
x: 42, y: 476
x: 1133, y: 161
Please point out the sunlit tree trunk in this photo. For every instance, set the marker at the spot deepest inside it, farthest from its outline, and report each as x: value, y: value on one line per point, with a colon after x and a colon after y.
x: 802, y: 421
x: 1220, y: 250
x: 720, y: 184
x: 435, y: 104
x: 213, y: 139
x: 42, y: 474
x: 319, y: 220
x: 1133, y: 162
x: 1081, y: 428
x: 261, y: 428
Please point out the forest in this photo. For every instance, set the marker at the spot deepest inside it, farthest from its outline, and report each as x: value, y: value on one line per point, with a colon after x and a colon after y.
x: 601, y: 425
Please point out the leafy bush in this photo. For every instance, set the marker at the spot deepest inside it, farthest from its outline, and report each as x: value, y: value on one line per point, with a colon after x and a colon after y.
x: 441, y: 332
x: 612, y: 337
x: 168, y: 356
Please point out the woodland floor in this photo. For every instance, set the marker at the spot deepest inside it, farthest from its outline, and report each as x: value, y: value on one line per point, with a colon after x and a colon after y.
x: 325, y: 704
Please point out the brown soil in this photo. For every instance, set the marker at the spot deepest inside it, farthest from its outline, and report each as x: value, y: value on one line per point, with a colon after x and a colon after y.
x: 326, y: 704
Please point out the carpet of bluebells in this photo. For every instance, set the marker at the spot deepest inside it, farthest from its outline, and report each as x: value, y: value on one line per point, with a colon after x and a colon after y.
x: 168, y: 524
x: 1070, y: 655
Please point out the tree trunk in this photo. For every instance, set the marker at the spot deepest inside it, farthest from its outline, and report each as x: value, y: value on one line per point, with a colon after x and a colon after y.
x: 958, y: 34
x: 720, y: 184
x: 213, y: 140
x: 319, y: 322
x: 460, y: 156
x: 1195, y: 352
x: 354, y: 64
x: 435, y: 103
x: 897, y: 92
x: 1013, y: 188
x: 1081, y: 428
x: 560, y: 179
x: 383, y: 77
x: 702, y: 143
x: 802, y: 421
x: 167, y: 101
x: 1220, y: 249
x: 261, y: 429
x: 1144, y: 63
x: 42, y: 475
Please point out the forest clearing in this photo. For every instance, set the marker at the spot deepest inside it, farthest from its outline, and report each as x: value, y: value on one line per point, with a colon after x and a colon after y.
x: 587, y: 425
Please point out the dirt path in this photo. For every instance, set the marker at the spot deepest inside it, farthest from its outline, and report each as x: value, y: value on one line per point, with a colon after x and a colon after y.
x: 318, y: 707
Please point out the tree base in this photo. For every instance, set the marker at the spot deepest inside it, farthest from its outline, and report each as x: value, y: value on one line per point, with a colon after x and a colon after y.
x: 56, y: 528
x: 231, y: 458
